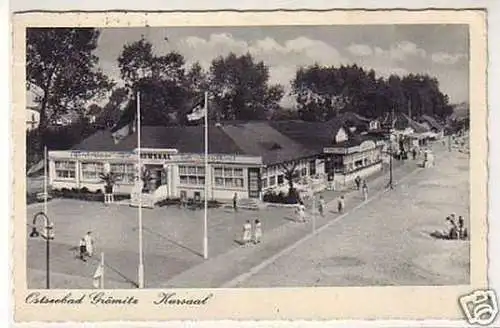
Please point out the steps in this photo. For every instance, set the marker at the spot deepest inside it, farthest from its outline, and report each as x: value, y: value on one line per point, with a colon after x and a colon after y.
x: 252, y: 204
x: 147, y: 200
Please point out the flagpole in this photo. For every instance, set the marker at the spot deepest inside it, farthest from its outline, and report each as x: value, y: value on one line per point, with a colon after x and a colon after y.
x: 45, y: 196
x: 205, y: 215
x: 140, y: 273
x: 102, y: 266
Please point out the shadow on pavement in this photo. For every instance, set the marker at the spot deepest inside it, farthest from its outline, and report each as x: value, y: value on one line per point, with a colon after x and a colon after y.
x: 171, y: 241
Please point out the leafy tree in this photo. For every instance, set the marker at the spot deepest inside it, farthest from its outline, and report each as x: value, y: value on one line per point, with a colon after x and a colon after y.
x: 160, y: 79
x: 109, y: 179
x: 241, y: 90
x: 61, y: 62
x: 321, y: 92
x: 111, y: 112
x: 290, y: 172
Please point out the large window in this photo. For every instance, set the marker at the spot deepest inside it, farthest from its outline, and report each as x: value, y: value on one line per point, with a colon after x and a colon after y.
x: 65, y: 169
x: 125, y: 173
x: 272, y: 180
x: 91, y: 171
x: 303, y: 171
x: 228, y: 177
x: 192, y: 175
x: 281, y: 179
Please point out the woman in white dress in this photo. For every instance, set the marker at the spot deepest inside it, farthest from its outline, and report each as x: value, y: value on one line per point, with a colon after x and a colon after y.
x: 257, y: 235
x: 247, y: 232
x: 89, y: 243
x: 301, y: 212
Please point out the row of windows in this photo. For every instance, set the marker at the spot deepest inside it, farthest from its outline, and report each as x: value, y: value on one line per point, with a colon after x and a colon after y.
x: 279, y: 179
x: 91, y: 171
x: 227, y: 177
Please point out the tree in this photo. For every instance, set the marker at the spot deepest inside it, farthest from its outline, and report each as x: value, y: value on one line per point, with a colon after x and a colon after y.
x: 61, y: 62
x: 109, y: 179
x: 241, y: 90
x: 290, y: 173
x: 111, y: 112
x: 160, y: 79
x: 321, y: 92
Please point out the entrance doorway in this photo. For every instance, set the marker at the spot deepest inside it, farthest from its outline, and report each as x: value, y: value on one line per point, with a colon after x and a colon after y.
x: 158, y: 176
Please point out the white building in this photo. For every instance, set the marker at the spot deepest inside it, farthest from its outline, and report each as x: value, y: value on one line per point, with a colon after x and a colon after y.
x: 247, y: 158
x: 33, y: 96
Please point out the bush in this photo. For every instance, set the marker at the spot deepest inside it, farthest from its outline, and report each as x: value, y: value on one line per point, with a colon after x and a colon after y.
x: 85, y: 194
x: 281, y: 197
x: 190, y: 203
x: 169, y: 201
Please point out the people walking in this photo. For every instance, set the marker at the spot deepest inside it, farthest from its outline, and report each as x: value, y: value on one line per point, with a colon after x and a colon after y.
x: 83, y: 250
x: 247, y: 233
x: 321, y: 205
x: 340, y: 204
x: 257, y: 234
x: 235, y: 202
x: 365, y: 190
x: 414, y: 153
x: 357, y: 180
x: 89, y: 243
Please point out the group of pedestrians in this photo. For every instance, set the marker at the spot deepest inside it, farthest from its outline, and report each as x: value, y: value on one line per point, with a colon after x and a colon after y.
x: 361, y: 184
x: 86, y: 246
x: 457, y: 228
x: 252, y: 233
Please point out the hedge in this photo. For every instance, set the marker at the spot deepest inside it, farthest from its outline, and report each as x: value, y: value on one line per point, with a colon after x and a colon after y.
x: 281, y: 197
x: 190, y: 203
x: 85, y: 194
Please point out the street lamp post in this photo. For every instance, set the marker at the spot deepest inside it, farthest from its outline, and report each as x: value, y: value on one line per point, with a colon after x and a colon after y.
x: 48, y: 237
x: 391, y: 186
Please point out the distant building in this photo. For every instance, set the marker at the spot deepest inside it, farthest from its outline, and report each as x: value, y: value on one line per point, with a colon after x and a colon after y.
x: 248, y: 158
x: 33, y: 96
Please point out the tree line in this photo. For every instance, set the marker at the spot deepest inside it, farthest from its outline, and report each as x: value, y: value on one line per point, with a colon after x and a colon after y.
x: 61, y: 61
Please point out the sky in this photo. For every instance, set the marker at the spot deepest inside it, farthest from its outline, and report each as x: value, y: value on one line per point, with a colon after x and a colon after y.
x: 437, y: 50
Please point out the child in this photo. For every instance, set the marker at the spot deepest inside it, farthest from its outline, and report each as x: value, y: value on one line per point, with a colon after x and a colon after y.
x: 257, y: 235
x: 83, y: 250
x: 341, y: 204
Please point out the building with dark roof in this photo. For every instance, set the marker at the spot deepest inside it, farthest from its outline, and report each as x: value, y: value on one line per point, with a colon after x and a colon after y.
x: 247, y: 158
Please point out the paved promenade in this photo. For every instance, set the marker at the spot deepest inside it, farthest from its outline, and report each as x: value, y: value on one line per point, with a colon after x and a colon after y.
x: 386, y: 242
x: 172, y: 241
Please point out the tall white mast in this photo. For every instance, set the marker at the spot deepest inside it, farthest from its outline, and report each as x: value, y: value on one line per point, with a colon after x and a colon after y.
x: 141, y: 263
x: 205, y: 215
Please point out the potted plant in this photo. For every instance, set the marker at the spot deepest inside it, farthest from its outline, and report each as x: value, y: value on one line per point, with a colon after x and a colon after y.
x: 146, y: 178
x: 109, y: 180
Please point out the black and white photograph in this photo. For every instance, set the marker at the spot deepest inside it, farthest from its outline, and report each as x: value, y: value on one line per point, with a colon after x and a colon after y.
x: 255, y: 156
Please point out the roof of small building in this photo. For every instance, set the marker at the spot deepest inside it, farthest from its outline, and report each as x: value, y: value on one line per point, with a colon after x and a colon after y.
x: 187, y: 139
x: 432, y: 122
x: 274, y: 141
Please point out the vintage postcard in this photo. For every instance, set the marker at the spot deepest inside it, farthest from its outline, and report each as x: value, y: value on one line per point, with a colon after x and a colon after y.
x: 250, y: 165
